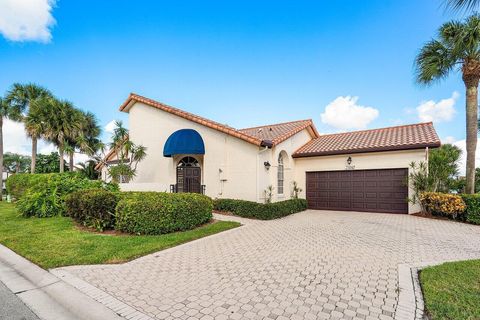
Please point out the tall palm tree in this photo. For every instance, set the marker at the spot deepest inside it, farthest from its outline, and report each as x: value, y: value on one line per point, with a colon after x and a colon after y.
x: 60, y: 124
x: 7, y: 111
x: 29, y: 97
x: 85, y: 138
x: 457, y: 47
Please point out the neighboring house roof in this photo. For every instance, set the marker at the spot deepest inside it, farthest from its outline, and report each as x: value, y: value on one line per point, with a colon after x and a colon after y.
x: 414, y: 136
x: 279, y: 132
x: 256, y: 139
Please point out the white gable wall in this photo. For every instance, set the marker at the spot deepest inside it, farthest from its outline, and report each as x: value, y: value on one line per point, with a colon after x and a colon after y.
x: 237, y: 159
x: 288, y: 146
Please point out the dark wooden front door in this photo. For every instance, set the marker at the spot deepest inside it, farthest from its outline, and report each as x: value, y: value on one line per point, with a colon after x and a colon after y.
x: 383, y: 190
x: 189, y: 179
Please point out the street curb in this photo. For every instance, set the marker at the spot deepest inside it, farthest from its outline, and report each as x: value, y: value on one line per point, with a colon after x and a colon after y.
x: 411, y: 305
x: 46, y: 295
x: 100, y: 296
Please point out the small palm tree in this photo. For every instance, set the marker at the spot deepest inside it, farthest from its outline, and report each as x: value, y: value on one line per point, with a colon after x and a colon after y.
x: 7, y: 111
x: 128, y: 155
x: 30, y: 98
x: 88, y: 170
x: 456, y: 48
x: 15, y: 163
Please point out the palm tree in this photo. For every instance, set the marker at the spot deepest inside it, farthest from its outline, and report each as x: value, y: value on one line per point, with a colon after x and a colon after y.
x: 60, y: 124
x: 463, y: 4
x: 15, y: 163
x: 457, y: 48
x: 30, y: 97
x: 88, y: 169
x: 86, y: 138
x: 7, y: 111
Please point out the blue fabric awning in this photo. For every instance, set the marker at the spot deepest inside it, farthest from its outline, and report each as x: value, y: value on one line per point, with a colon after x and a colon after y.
x: 184, y: 141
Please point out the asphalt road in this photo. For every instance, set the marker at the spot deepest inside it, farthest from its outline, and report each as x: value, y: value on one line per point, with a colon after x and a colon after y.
x: 12, y: 308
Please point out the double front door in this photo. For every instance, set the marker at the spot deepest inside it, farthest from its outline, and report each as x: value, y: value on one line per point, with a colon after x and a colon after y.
x: 189, y: 179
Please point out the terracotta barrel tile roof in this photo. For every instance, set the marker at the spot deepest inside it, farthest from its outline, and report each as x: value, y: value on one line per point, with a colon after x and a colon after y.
x: 405, y: 137
x: 279, y: 132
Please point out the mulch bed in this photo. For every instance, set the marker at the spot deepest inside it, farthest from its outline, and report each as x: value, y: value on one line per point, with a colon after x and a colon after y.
x: 111, y: 232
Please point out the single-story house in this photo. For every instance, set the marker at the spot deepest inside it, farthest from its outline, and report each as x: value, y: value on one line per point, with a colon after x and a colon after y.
x: 358, y: 171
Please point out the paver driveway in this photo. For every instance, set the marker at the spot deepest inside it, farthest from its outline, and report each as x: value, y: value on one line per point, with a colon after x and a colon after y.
x: 311, y: 265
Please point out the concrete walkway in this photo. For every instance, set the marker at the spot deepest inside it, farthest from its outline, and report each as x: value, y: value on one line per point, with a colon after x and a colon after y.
x: 311, y: 265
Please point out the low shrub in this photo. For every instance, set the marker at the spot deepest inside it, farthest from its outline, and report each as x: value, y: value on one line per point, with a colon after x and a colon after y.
x: 472, y: 211
x: 268, y: 211
x: 94, y: 208
x: 159, y: 212
x: 442, y: 204
x: 43, y: 195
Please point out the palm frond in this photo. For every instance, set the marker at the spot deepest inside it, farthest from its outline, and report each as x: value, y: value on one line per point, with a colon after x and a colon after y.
x: 434, y: 62
x: 462, y: 4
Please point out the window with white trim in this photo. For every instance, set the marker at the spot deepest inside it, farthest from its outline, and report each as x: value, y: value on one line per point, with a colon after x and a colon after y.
x: 280, y: 174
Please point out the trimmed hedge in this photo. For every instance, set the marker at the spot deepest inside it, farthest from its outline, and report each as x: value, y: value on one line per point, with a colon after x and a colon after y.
x: 472, y: 211
x: 268, y: 211
x: 93, y: 208
x: 43, y: 195
x: 153, y: 213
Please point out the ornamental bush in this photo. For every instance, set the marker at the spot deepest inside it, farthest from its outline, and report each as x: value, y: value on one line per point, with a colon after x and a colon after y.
x: 19, y: 183
x: 268, y: 211
x: 94, y: 208
x: 472, y: 211
x: 43, y: 195
x: 442, y: 204
x: 159, y: 212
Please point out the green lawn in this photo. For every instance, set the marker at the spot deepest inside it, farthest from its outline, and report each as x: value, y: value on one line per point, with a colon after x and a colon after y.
x: 452, y: 290
x: 55, y: 242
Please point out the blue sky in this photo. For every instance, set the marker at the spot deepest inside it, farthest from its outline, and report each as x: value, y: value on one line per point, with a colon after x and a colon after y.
x: 242, y: 63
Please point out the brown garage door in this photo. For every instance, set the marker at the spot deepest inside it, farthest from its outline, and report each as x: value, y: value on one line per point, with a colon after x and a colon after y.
x: 358, y: 190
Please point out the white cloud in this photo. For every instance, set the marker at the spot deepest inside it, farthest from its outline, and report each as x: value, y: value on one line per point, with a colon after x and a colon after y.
x: 442, y: 110
x: 344, y: 113
x: 110, y: 126
x: 463, y: 159
x: 449, y: 139
x: 15, y: 140
x: 26, y: 20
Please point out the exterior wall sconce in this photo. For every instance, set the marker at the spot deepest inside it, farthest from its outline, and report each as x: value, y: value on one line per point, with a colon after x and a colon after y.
x: 267, y: 165
x: 349, y: 160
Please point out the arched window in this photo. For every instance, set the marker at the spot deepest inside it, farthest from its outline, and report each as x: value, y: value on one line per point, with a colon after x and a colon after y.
x: 280, y: 174
x: 188, y: 162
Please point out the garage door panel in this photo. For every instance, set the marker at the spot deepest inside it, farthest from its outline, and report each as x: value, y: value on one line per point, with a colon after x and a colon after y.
x: 383, y: 190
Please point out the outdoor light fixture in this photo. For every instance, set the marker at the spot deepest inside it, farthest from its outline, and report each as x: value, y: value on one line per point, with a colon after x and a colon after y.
x: 349, y: 160
x: 267, y: 165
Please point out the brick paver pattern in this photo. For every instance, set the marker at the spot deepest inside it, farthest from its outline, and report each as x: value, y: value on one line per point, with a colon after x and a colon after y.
x: 310, y: 265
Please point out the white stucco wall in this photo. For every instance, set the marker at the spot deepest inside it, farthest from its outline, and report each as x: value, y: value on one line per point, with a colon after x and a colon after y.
x: 374, y: 160
x: 288, y: 146
x: 237, y: 159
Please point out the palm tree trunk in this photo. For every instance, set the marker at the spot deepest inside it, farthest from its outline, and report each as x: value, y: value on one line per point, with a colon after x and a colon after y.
x: 34, y: 154
x: 472, y: 128
x: 1, y: 157
x: 70, y: 163
x: 61, y: 153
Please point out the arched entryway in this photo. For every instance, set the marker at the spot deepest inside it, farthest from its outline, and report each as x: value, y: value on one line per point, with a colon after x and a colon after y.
x: 189, y: 175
